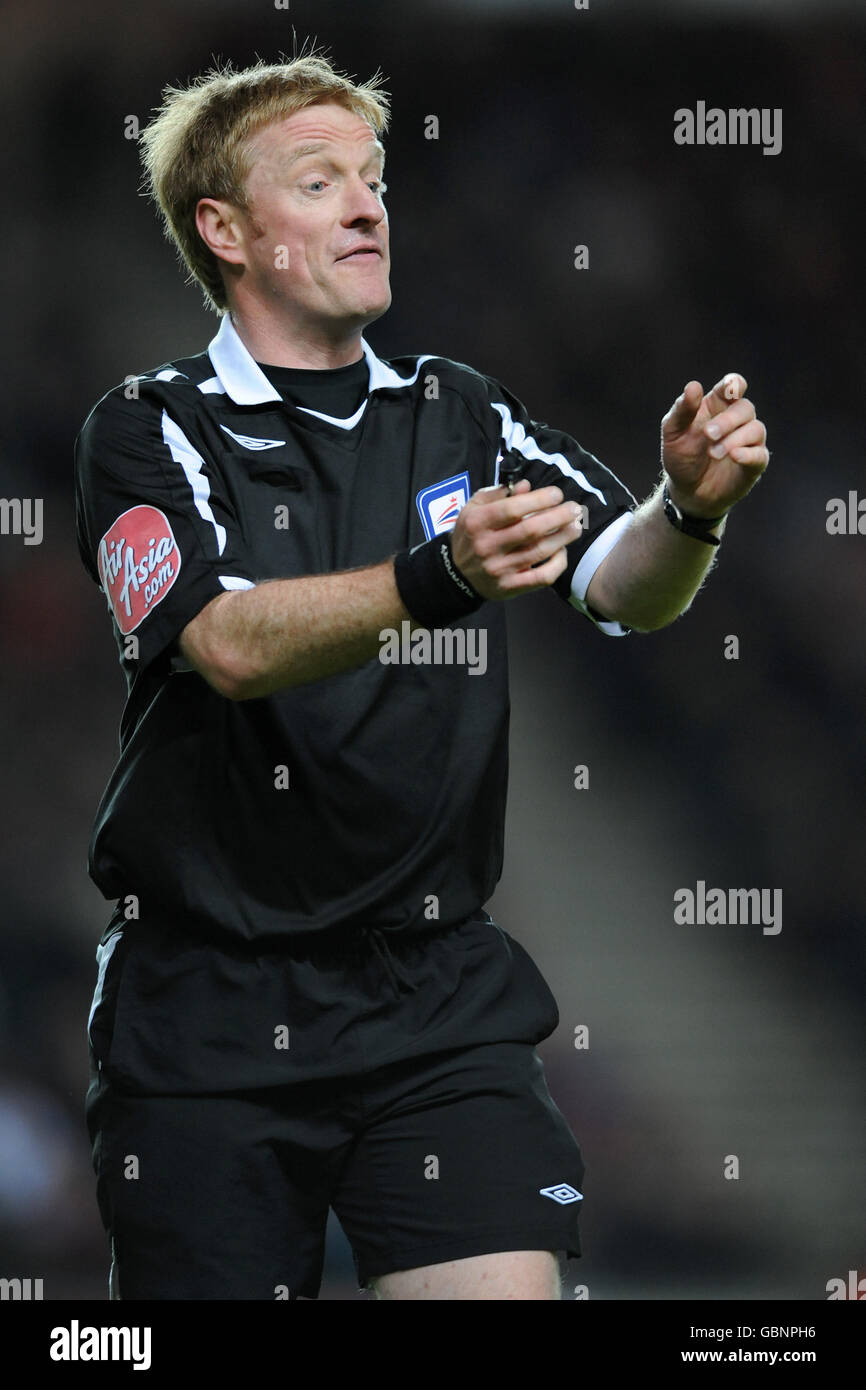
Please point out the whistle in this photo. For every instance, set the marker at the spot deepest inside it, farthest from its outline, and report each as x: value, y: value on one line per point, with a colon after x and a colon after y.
x: 511, y: 470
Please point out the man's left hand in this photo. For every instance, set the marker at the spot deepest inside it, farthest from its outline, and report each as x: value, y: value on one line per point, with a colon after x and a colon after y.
x: 713, y: 447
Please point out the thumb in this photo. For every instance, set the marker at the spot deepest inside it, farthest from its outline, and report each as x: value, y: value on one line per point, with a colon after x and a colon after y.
x: 684, y: 409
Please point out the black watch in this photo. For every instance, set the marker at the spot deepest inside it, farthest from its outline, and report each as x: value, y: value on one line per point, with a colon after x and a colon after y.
x: 698, y: 527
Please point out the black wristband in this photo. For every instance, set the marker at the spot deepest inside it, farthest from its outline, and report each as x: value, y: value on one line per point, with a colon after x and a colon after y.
x: 431, y: 586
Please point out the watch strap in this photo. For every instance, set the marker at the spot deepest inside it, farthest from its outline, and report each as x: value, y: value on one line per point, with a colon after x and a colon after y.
x: 698, y: 527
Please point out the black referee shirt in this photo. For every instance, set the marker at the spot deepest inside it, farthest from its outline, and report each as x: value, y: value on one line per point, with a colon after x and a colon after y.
x: 375, y: 796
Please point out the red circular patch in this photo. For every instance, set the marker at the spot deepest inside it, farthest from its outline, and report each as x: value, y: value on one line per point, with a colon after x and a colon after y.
x: 138, y: 561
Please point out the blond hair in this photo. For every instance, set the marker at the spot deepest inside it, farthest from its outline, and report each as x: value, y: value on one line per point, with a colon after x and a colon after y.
x: 196, y: 145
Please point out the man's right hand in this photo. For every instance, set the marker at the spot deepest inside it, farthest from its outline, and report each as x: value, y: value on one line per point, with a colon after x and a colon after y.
x: 507, y: 546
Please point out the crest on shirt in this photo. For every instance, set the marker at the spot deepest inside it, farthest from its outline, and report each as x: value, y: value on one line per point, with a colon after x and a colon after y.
x: 138, y: 562
x: 440, y: 504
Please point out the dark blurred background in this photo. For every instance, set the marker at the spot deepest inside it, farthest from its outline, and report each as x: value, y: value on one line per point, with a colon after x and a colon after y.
x: 555, y: 129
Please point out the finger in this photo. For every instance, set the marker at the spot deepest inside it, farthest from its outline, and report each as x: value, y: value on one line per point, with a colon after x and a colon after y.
x: 536, y: 544
x: 531, y: 541
x: 729, y: 420
x: 732, y: 387
x: 684, y: 409
x: 526, y: 580
x: 511, y: 510
x: 497, y: 491
x: 758, y: 457
x: 518, y: 561
x: 542, y: 523
x: 753, y: 432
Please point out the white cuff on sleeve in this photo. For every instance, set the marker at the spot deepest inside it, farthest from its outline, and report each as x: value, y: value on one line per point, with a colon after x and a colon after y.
x: 589, y: 563
x: 233, y: 581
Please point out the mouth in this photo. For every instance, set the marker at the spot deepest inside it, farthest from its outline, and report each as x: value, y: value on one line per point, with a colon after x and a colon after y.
x: 362, y: 253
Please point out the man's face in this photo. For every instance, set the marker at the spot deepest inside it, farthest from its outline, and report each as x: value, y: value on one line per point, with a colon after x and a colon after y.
x: 316, y: 240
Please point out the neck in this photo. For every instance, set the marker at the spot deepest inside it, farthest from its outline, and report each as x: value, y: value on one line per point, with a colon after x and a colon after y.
x: 281, y: 345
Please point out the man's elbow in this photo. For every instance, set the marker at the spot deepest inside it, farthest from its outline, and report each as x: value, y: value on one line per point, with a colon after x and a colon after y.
x: 230, y: 682
x: 224, y: 673
x: 216, y: 657
x: 638, y: 618
x: 652, y: 620
x: 638, y: 612
x: 649, y: 622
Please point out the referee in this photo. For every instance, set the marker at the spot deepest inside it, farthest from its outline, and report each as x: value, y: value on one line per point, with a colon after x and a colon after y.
x: 301, y: 1002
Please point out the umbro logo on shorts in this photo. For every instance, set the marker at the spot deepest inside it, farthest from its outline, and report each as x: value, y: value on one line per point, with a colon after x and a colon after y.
x: 562, y: 1193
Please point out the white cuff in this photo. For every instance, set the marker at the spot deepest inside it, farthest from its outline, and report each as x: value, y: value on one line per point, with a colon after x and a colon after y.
x: 589, y: 563
x: 232, y: 581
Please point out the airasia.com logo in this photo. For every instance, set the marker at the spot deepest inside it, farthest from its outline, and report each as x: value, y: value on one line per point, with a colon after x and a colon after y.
x: 139, y: 560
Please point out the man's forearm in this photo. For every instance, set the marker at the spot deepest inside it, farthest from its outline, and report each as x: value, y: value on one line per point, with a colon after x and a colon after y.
x: 286, y: 632
x: 249, y: 643
x: 652, y: 573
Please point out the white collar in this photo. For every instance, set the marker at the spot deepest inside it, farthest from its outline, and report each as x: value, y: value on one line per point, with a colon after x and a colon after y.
x: 245, y: 383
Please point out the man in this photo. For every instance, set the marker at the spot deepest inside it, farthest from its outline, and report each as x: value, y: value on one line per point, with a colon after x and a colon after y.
x: 302, y: 1003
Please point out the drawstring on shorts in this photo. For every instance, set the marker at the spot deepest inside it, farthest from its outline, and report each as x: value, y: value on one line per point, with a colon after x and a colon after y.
x: 378, y: 939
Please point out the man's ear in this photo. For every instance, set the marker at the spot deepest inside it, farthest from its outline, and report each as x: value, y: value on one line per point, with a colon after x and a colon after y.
x: 219, y: 225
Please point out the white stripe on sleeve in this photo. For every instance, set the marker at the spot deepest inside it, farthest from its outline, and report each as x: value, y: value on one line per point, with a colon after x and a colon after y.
x: 192, y: 464
x: 515, y: 437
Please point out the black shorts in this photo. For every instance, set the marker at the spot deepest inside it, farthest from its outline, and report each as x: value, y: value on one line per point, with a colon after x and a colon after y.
x: 236, y: 1097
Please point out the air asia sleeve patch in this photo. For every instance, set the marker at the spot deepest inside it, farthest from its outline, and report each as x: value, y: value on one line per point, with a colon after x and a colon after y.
x: 139, y: 560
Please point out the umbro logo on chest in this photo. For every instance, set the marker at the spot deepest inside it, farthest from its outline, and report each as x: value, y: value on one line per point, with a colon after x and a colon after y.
x: 250, y: 441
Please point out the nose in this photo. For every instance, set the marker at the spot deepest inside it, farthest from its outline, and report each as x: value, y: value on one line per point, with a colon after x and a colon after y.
x: 362, y: 205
